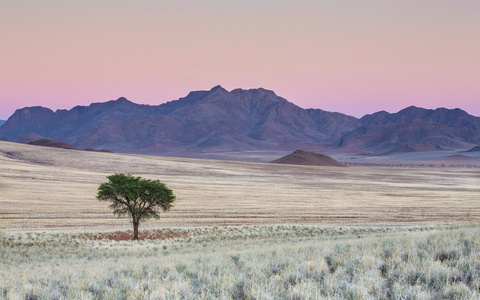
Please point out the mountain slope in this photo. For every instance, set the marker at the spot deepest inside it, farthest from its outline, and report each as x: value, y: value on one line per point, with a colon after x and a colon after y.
x: 474, y: 149
x: 218, y: 121
x: 204, y: 121
x: 413, y: 129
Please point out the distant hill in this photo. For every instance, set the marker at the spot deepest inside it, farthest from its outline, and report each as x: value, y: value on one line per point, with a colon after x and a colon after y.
x: 61, y: 145
x: 52, y: 143
x: 412, y: 129
x: 300, y: 157
x: 474, y: 149
x: 1, y: 122
x: 95, y: 150
x: 218, y: 121
x: 28, y: 138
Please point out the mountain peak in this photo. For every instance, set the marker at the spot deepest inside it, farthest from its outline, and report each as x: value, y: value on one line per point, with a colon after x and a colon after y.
x: 411, y: 109
x: 218, y: 88
x: 120, y: 101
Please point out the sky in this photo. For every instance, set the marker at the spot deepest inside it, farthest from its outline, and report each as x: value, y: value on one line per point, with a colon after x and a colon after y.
x: 354, y: 57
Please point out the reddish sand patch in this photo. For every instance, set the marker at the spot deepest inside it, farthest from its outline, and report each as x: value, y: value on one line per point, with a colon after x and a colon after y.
x: 128, y: 235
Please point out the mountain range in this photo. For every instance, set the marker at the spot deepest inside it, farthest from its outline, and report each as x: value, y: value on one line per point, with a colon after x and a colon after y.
x: 218, y: 120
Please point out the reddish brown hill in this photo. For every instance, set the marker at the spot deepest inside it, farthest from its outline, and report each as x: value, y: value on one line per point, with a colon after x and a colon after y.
x: 56, y: 144
x: 52, y: 143
x: 95, y: 150
x: 300, y: 157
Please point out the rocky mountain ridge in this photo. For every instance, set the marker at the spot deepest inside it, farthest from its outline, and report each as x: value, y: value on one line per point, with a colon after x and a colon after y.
x: 218, y: 120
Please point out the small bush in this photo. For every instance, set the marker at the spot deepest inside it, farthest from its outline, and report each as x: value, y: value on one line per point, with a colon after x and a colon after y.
x: 332, y: 266
x: 384, y: 268
x: 416, y: 278
x: 31, y: 296
x: 447, y: 255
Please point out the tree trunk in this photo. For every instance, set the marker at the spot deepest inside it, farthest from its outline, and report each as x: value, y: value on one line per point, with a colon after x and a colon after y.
x: 135, y: 230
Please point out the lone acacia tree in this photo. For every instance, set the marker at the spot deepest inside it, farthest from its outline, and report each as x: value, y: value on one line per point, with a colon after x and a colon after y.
x: 137, y: 197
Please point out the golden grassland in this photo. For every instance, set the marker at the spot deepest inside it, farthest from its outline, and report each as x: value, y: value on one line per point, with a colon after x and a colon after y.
x: 48, y: 187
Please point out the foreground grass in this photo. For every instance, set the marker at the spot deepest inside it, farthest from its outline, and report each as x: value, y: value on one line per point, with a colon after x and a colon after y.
x: 248, y: 262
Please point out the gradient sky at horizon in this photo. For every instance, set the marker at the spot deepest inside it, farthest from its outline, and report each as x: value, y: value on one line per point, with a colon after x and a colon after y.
x: 354, y: 57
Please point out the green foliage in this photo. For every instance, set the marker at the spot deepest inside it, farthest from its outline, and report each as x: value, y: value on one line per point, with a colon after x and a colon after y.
x: 136, y: 197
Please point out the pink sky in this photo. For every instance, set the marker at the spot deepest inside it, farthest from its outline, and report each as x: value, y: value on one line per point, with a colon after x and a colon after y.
x: 355, y: 58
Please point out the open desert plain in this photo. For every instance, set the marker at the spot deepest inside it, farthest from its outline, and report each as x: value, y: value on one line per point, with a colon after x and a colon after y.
x: 238, y: 230
x: 293, y: 150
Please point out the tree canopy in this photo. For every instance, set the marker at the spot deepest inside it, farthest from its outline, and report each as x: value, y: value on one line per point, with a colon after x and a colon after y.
x: 136, y: 197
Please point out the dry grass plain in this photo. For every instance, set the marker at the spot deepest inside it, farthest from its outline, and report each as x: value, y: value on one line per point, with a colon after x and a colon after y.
x: 47, y: 187
x: 294, y: 244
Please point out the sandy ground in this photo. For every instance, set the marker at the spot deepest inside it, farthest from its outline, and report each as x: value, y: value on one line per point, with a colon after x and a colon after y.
x: 47, y: 187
